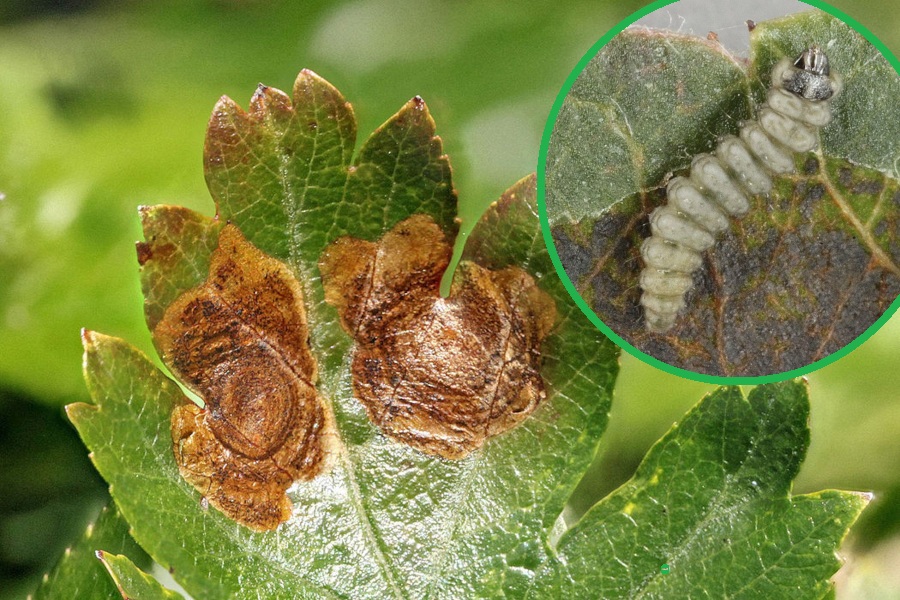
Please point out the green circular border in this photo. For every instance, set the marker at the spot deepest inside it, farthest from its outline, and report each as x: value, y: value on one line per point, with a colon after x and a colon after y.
x: 570, y: 287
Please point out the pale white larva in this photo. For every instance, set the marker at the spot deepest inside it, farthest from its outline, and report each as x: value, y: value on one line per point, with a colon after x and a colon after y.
x: 721, y: 184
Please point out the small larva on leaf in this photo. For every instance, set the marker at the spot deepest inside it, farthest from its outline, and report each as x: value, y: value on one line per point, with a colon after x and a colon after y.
x: 720, y: 184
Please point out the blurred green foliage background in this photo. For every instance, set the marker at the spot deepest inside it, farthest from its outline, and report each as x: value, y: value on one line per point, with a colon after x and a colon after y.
x: 103, y: 106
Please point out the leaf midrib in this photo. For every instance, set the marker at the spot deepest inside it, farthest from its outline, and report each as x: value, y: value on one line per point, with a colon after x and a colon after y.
x: 291, y: 209
x: 170, y: 471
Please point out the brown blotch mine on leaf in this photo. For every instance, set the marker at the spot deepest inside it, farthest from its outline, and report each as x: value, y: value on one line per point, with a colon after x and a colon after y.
x: 439, y: 374
x: 240, y: 340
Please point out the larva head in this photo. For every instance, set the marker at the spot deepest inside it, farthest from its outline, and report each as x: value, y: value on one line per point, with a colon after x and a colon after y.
x: 809, y: 76
x: 814, y: 60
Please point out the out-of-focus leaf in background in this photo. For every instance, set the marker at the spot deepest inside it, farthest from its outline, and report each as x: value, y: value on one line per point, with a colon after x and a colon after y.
x: 79, y: 573
x: 104, y: 109
x: 48, y: 490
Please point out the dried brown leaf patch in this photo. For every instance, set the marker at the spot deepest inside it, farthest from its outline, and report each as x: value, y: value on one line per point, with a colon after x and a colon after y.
x: 439, y: 374
x: 240, y: 341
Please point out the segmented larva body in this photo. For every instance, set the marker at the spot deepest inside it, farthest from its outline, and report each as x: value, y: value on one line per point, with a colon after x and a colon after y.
x: 722, y: 183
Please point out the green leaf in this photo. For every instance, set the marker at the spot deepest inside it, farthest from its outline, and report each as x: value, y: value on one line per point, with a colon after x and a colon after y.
x: 386, y: 521
x: 78, y: 574
x: 712, y: 501
x: 865, y: 130
x: 131, y: 581
x: 282, y: 172
x: 814, y: 263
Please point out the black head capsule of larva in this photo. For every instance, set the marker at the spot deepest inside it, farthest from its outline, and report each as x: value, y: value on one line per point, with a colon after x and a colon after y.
x: 810, y: 78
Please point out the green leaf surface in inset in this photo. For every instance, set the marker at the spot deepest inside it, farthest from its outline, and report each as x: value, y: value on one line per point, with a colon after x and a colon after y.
x: 865, y: 129
x: 79, y: 575
x: 712, y: 501
x: 133, y: 583
x: 625, y: 122
x: 813, y: 265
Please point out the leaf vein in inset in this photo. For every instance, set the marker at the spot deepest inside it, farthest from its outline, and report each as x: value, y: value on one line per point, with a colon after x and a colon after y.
x: 850, y: 216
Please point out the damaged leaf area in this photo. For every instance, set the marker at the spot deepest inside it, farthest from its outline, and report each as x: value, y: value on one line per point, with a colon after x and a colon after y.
x: 439, y: 374
x: 380, y: 519
x: 788, y: 285
x: 240, y: 341
x: 810, y: 268
x: 385, y: 520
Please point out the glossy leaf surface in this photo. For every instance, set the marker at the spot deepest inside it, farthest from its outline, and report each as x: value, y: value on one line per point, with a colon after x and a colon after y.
x: 386, y: 521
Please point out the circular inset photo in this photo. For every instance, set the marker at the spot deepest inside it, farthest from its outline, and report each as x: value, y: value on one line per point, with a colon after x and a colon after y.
x: 729, y: 215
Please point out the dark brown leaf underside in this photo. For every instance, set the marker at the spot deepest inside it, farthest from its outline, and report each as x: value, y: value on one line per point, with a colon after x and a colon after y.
x: 806, y: 272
